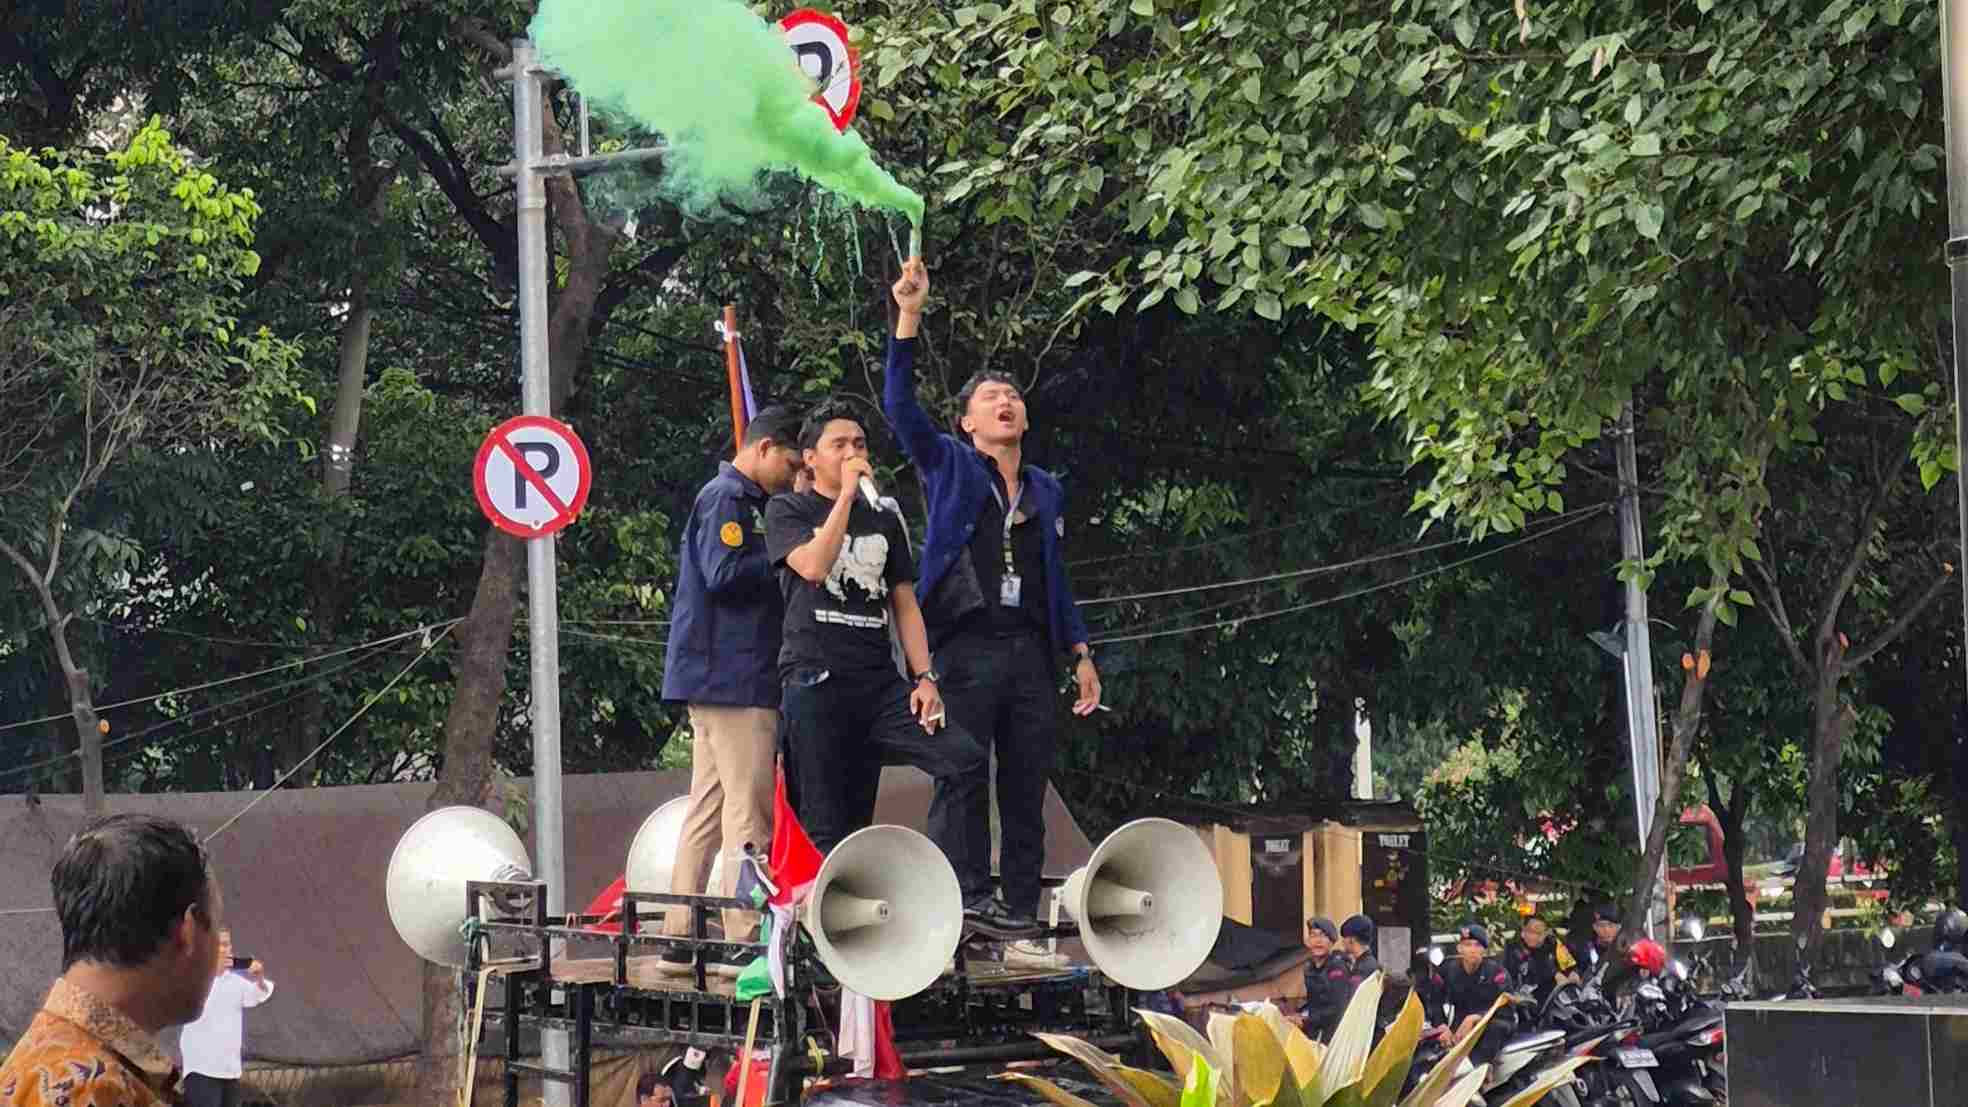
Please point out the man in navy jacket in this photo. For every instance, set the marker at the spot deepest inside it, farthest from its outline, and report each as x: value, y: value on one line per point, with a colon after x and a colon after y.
x: 723, y: 660
x: 994, y: 589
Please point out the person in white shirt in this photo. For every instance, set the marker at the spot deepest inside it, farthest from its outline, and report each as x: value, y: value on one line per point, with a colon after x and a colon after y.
x: 211, y: 1046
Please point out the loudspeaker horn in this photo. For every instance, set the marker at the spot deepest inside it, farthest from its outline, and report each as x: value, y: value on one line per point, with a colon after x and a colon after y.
x: 1149, y: 903
x: 428, y: 870
x: 885, y: 913
x: 653, y: 854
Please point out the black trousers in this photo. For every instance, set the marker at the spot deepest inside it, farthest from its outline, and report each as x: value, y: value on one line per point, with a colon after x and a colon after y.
x: 1002, y: 689
x: 840, y: 731
x: 210, y: 1091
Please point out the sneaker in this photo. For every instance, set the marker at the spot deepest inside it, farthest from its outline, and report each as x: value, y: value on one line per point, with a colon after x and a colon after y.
x: 992, y: 918
x: 1030, y: 954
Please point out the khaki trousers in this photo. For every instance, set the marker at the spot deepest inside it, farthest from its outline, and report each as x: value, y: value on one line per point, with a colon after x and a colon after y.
x: 731, y: 763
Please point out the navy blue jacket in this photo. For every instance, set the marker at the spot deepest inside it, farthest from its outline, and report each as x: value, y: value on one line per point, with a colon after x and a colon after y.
x: 728, y: 612
x: 957, y: 482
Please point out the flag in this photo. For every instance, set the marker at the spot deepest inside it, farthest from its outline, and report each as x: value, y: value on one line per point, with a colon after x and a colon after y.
x: 607, y: 907
x: 795, y: 863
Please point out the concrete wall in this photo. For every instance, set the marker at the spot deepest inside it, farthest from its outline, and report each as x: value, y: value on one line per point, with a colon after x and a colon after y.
x: 1845, y: 960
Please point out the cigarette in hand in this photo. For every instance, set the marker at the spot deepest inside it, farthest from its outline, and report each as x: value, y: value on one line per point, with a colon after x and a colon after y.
x: 936, y: 718
x: 1101, y: 707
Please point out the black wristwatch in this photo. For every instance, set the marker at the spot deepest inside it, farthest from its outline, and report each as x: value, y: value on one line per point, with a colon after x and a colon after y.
x: 930, y: 675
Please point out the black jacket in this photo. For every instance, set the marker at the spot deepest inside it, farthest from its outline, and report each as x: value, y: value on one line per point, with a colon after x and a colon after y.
x: 1469, y: 993
x: 1328, y: 986
x: 1537, y: 967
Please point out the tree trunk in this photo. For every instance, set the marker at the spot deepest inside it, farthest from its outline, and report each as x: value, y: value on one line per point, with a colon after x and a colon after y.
x: 367, y: 192
x: 466, y: 776
x: 1667, y: 809
x: 81, y: 701
x: 1829, y: 724
x: 1732, y: 816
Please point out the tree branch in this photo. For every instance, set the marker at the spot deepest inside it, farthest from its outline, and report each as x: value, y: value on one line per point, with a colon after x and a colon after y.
x: 1835, y: 595
x: 1898, y: 626
x: 454, y: 180
x: 1771, y: 597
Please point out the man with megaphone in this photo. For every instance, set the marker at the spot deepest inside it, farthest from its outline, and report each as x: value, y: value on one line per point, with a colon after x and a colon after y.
x: 845, y: 570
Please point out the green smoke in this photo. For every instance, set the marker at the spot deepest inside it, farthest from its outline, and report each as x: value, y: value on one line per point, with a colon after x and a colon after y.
x: 722, y: 87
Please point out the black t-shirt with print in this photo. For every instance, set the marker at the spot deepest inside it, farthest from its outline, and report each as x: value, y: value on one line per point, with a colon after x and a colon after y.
x: 841, y: 624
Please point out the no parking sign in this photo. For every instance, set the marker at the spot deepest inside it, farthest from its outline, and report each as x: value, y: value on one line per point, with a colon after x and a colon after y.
x: 531, y: 476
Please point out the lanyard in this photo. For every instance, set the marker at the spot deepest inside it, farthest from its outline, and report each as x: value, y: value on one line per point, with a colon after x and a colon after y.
x: 1010, y: 512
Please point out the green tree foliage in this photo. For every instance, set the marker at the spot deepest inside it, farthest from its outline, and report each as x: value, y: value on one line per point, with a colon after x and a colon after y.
x: 121, y: 278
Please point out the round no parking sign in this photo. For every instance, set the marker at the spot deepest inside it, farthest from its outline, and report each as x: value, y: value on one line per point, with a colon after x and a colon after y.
x: 531, y: 476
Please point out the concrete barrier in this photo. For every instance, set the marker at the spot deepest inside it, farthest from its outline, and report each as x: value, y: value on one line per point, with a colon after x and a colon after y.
x: 1844, y: 961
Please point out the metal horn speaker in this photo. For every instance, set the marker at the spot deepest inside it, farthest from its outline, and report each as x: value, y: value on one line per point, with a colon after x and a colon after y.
x: 428, y: 870
x: 653, y: 851
x: 1149, y: 903
x: 886, y: 912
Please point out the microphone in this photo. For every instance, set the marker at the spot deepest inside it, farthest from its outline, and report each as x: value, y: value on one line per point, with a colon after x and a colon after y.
x: 870, y: 493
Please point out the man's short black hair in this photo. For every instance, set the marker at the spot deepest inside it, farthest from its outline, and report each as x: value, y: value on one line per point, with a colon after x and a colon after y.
x: 978, y: 380
x: 122, y: 883
x: 819, y: 417
x: 779, y: 423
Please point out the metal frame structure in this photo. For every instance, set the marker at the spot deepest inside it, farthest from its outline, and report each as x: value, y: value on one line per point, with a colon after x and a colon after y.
x: 959, y: 1021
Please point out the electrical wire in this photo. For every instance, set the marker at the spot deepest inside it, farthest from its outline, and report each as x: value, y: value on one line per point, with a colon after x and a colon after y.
x: 1316, y: 570
x: 425, y: 629
x: 1354, y: 594
x: 615, y: 638
x: 168, y: 723
x: 359, y: 713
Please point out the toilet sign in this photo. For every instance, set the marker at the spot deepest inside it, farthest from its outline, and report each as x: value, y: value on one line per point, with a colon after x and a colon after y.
x: 531, y: 476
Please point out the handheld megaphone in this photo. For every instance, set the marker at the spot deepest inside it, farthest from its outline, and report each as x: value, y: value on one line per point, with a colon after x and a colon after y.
x: 1149, y: 903
x: 885, y: 912
x: 428, y: 870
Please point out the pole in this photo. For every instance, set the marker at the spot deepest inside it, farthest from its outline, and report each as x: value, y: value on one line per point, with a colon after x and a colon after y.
x: 1638, y: 660
x: 542, y: 596
x: 731, y: 373
x: 1954, y: 95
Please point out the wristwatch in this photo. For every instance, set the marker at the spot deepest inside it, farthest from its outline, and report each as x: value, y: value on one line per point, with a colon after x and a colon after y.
x: 930, y: 675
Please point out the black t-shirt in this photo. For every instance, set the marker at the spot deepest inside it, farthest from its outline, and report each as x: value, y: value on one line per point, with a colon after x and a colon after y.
x: 1027, y: 558
x: 841, y: 624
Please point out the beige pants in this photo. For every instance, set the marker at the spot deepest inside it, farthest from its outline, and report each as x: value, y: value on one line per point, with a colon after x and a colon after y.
x: 731, y: 760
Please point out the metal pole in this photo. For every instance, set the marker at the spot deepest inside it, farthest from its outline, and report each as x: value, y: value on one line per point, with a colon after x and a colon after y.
x: 1954, y: 95
x: 1638, y: 661
x: 542, y: 597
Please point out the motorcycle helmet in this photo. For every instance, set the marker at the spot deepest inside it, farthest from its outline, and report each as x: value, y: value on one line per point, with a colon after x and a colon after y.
x: 1649, y: 956
x: 1952, y: 926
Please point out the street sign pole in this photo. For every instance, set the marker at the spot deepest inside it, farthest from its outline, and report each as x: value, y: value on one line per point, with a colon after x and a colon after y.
x: 1954, y: 95
x: 542, y: 591
x: 1637, y: 662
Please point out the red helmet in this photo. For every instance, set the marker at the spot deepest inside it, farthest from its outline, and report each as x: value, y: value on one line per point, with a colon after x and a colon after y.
x: 1649, y: 955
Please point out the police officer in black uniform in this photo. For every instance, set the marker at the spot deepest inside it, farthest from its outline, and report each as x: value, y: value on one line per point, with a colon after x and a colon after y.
x: 1533, y: 958
x: 1356, y: 941
x: 1328, y: 983
x: 1470, y: 984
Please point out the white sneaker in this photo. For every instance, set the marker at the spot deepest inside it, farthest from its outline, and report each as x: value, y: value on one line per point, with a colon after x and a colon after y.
x: 1031, y: 954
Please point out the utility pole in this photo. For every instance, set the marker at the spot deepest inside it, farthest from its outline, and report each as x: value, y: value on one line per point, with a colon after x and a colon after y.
x: 1637, y: 660
x: 529, y: 169
x: 1954, y: 94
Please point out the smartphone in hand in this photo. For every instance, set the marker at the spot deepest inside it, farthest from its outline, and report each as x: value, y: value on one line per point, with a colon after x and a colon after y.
x: 241, y: 964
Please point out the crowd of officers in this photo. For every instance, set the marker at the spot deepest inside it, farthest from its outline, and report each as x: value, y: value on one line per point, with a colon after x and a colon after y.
x: 1465, y: 986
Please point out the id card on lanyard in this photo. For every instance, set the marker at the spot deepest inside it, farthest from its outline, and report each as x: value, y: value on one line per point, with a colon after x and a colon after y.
x: 1011, y: 588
